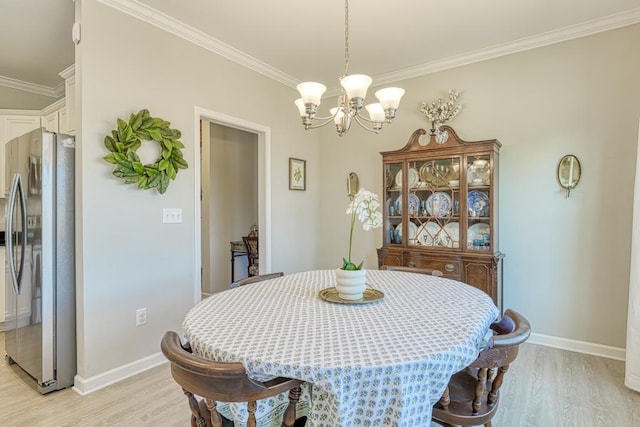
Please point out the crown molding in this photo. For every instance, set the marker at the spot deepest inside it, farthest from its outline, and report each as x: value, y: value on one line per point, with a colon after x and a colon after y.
x: 60, y: 103
x: 29, y: 87
x: 584, y: 29
x: 68, y: 72
x: 165, y: 22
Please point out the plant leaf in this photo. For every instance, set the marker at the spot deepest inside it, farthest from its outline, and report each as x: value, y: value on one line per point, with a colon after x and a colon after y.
x: 135, y: 121
x: 167, y: 144
x: 111, y: 158
x: 138, y: 167
x: 163, y: 183
x: 171, y: 171
x: 142, y: 181
x: 151, y: 171
x: 132, y: 156
x: 153, y: 181
x: 164, y: 163
x: 155, y: 134
x: 143, y: 134
x: 110, y: 143
x: 121, y: 124
x: 146, y: 123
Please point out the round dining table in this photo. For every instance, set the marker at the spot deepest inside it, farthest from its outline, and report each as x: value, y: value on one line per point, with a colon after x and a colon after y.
x: 385, y: 362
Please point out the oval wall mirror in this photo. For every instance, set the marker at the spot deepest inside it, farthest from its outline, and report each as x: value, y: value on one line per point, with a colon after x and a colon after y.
x: 353, y: 184
x: 569, y: 172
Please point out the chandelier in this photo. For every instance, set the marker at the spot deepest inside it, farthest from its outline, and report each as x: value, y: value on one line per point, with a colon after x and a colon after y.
x: 351, y: 99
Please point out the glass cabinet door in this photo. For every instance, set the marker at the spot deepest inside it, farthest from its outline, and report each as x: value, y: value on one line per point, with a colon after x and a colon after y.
x: 393, y: 203
x: 479, y: 203
x: 434, y: 204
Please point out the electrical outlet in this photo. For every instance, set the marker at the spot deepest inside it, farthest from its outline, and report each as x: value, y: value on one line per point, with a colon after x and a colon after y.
x: 171, y: 216
x: 141, y: 316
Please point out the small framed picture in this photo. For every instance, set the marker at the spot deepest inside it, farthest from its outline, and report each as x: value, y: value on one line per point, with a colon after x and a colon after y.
x: 297, y: 174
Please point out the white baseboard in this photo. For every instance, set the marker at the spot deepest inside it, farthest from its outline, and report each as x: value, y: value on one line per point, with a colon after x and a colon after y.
x: 84, y: 386
x: 609, y: 352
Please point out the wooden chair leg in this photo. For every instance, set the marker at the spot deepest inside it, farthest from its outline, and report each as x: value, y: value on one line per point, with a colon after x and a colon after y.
x: 212, y: 407
x: 289, y: 418
x: 495, y: 387
x: 251, y: 407
x: 445, y: 400
x: 480, y: 388
x: 197, y: 420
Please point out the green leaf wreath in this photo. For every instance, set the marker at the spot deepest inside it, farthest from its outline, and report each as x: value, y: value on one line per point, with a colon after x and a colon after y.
x: 125, y: 141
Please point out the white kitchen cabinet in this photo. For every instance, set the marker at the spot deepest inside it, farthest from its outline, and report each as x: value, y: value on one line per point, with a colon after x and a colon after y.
x: 51, y: 122
x: 69, y: 76
x: 12, y: 126
x: 54, y: 117
x: 62, y: 121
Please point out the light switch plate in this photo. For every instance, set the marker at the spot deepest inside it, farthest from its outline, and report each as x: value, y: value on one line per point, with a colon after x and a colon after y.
x: 171, y: 215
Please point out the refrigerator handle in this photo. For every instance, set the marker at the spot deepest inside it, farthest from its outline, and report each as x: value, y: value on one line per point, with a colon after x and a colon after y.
x: 16, y: 189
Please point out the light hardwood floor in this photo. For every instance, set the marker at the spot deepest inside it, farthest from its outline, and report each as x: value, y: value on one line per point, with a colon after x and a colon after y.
x: 545, y: 387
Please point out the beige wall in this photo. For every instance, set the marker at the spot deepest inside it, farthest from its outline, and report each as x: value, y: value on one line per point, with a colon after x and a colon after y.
x: 127, y: 258
x: 567, y: 260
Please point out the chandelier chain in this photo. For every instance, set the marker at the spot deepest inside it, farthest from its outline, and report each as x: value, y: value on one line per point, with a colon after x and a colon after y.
x: 351, y: 99
x: 346, y: 38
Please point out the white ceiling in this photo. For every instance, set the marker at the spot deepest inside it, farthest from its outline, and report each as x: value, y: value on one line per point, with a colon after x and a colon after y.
x: 35, y: 40
x: 304, y: 40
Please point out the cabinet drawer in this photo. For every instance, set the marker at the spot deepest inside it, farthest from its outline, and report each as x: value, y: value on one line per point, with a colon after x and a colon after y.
x: 389, y: 258
x: 450, y: 268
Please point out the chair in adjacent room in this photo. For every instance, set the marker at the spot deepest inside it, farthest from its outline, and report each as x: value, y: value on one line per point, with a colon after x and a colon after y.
x: 430, y: 271
x: 472, y: 396
x: 254, y: 279
x: 223, y: 382
x: 251, y: 244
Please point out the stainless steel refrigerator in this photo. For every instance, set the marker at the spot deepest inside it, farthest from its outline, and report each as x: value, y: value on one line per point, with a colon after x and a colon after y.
x: 40, y: 258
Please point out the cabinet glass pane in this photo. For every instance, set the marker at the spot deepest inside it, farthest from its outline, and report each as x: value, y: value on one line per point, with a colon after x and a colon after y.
x: 434, y: 204
x: 479, y: 203
x: 392, y: 203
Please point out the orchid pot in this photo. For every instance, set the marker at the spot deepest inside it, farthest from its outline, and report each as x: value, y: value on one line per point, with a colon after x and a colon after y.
x: 351, y: 284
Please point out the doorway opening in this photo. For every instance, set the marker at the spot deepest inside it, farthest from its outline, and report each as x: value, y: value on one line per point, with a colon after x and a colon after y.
x: 234, y: 186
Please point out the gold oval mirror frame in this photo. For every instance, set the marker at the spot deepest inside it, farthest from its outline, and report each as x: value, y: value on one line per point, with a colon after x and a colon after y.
x: 569, y: 172
x: 353, y: 184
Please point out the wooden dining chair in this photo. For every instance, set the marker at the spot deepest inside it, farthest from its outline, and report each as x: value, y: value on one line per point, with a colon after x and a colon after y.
x: 254, y: 279
x: 472, y: 396
x: 253, y: 255
x: 223, y: 382
x: 432, y: 272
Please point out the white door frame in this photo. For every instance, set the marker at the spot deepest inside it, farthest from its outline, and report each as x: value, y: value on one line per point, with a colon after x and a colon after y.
x: 264, y: 186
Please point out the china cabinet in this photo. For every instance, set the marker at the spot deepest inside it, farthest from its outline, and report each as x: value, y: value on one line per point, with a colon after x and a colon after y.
x: 440, y: 209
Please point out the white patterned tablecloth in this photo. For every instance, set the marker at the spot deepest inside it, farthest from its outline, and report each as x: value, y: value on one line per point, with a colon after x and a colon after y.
x: 379, y: 364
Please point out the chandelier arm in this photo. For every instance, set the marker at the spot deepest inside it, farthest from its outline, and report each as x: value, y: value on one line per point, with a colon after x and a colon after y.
x: 326, y: 121
x: 358, y: 116
x: 363, y: 125
x: 325, y: 118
